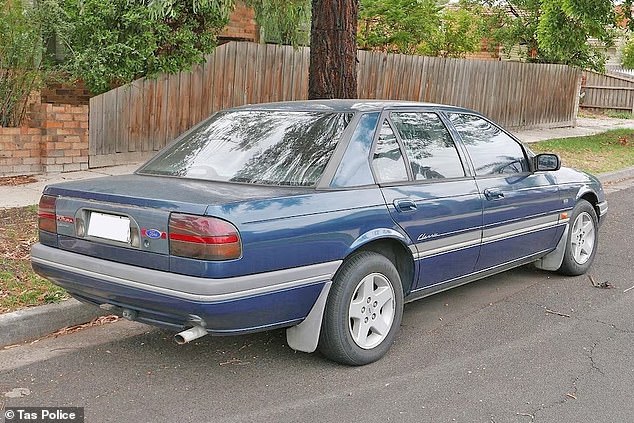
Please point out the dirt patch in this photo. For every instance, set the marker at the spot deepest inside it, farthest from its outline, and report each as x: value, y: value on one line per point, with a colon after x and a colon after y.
x: 18, y: 231
x: 20, y: 287
x: 17, y: 180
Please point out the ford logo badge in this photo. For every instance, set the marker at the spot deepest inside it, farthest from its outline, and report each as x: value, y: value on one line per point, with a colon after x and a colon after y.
x: 153, y: 233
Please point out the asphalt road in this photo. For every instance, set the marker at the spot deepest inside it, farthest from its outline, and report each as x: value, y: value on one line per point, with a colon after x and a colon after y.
x: 491, y: 351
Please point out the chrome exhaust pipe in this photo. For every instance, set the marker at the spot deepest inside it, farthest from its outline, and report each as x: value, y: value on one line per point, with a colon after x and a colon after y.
x: 190, y: 334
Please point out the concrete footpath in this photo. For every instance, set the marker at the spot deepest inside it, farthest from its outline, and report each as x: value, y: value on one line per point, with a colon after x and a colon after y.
x: 33, y: 323
x: 585, y: 126
x: 28, y: 194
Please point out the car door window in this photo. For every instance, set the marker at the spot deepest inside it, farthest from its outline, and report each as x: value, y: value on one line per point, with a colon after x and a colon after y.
x: 388, y: 162
x: 431, y: 152
x: 492, y: 151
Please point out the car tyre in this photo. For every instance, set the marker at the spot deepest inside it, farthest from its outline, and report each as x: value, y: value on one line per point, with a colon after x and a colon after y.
x: 363, y: 311
x: 583, y: 236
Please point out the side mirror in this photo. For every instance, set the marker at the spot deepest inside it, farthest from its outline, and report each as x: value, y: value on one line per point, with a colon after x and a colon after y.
x: 546, y: 162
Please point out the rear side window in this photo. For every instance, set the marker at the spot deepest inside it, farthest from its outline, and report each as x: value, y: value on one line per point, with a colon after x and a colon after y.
x: 492, y: 151
x: 429, y: 147
x: 388, y: 162
x: 255, y: 146
x: 354, y: 169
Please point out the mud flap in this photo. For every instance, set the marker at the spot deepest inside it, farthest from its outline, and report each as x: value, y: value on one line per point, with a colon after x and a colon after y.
x: 552, y: 261
x: 305, y: 336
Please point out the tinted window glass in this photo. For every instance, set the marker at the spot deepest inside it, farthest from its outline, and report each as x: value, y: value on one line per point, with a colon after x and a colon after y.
x: 259, y: 147
x: 354, y: 169
x: 491, y: 150
x: 388, y: 162
x: 431, y: 152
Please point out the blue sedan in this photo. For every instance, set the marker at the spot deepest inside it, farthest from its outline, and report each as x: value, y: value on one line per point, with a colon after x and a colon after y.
x: 322, y: 217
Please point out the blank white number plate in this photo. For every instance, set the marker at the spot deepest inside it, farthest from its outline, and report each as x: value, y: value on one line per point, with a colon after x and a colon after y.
x: 108, y: 226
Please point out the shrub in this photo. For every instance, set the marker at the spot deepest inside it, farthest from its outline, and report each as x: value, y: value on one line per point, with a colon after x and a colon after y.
x: 23, y: 60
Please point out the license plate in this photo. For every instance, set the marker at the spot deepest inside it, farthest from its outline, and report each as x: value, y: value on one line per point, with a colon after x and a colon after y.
x: 109, y: 226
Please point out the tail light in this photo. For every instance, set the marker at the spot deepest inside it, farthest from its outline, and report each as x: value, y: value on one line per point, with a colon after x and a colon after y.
x: 201, y: 237
x: 46, y: 215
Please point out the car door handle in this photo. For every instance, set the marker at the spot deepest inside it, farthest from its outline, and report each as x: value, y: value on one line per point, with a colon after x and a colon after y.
x: 404, y: 205
x: 493, y: 194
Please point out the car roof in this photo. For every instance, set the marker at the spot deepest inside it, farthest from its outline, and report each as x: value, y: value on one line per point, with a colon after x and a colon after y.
x: 351, y: 105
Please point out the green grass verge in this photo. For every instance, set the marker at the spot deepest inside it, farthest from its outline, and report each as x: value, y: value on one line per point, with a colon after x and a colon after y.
x: 605, y: 152
x: 618, y: 114
x: 20, y: 287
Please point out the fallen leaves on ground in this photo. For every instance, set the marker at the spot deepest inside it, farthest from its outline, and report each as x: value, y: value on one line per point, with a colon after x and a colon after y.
x: 17, y: 180
x: 98, y: 321
x: 20, y: 287
x: 18, y: 231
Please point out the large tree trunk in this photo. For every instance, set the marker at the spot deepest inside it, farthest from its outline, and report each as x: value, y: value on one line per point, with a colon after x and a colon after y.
x: 333, y: 49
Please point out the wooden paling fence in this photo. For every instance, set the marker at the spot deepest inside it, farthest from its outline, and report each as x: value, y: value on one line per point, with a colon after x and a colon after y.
x: 129, y: 123
x: 517, y: 95
x: 602, y: 91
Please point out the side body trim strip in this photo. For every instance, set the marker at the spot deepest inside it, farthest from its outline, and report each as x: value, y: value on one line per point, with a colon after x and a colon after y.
x: 472, y: 238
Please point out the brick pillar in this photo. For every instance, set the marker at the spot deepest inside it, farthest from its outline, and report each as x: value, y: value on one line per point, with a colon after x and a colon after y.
x: 64, y: 143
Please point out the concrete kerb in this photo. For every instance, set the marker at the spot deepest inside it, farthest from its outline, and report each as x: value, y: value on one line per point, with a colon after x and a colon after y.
x: 36, y: 322
x: 619, y: 175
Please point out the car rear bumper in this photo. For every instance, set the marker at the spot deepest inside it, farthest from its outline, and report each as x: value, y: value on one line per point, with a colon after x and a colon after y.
x: 225, y: 306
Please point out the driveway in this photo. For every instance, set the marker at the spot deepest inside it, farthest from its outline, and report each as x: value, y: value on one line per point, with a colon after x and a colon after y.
x: 522, y: 346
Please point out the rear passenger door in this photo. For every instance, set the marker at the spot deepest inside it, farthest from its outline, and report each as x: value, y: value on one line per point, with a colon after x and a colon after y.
x: 429, y: 193
x: 521, y: 208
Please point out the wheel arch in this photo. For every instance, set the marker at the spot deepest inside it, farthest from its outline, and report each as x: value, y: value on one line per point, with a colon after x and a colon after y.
x: 398, y: 253
x: 592, y: 198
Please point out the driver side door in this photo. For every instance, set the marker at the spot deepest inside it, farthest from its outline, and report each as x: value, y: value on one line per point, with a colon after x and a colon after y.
x: 522, y: 209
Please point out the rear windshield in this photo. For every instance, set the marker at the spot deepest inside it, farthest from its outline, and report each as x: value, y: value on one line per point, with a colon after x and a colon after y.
x: 257, y: 147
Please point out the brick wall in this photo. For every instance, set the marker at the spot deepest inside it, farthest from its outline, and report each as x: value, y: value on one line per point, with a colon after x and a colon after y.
x: 241, y: 25
x: 20, y: 151
x: 55, y: 139
x: 58, y: 93
x: 487, y: 52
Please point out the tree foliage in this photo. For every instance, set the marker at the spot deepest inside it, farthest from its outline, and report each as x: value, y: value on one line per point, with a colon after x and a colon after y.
x: 397, y: 25
x: 22, y: 54
x: 626, y: 20
x: 418, y: 27
x: 171, y: 8
x: 113, y: 42
x: 566, y: 26
x: 283, y: 21
x: 551, y: 31
x: 627, y: 58
x: 458, y: 33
